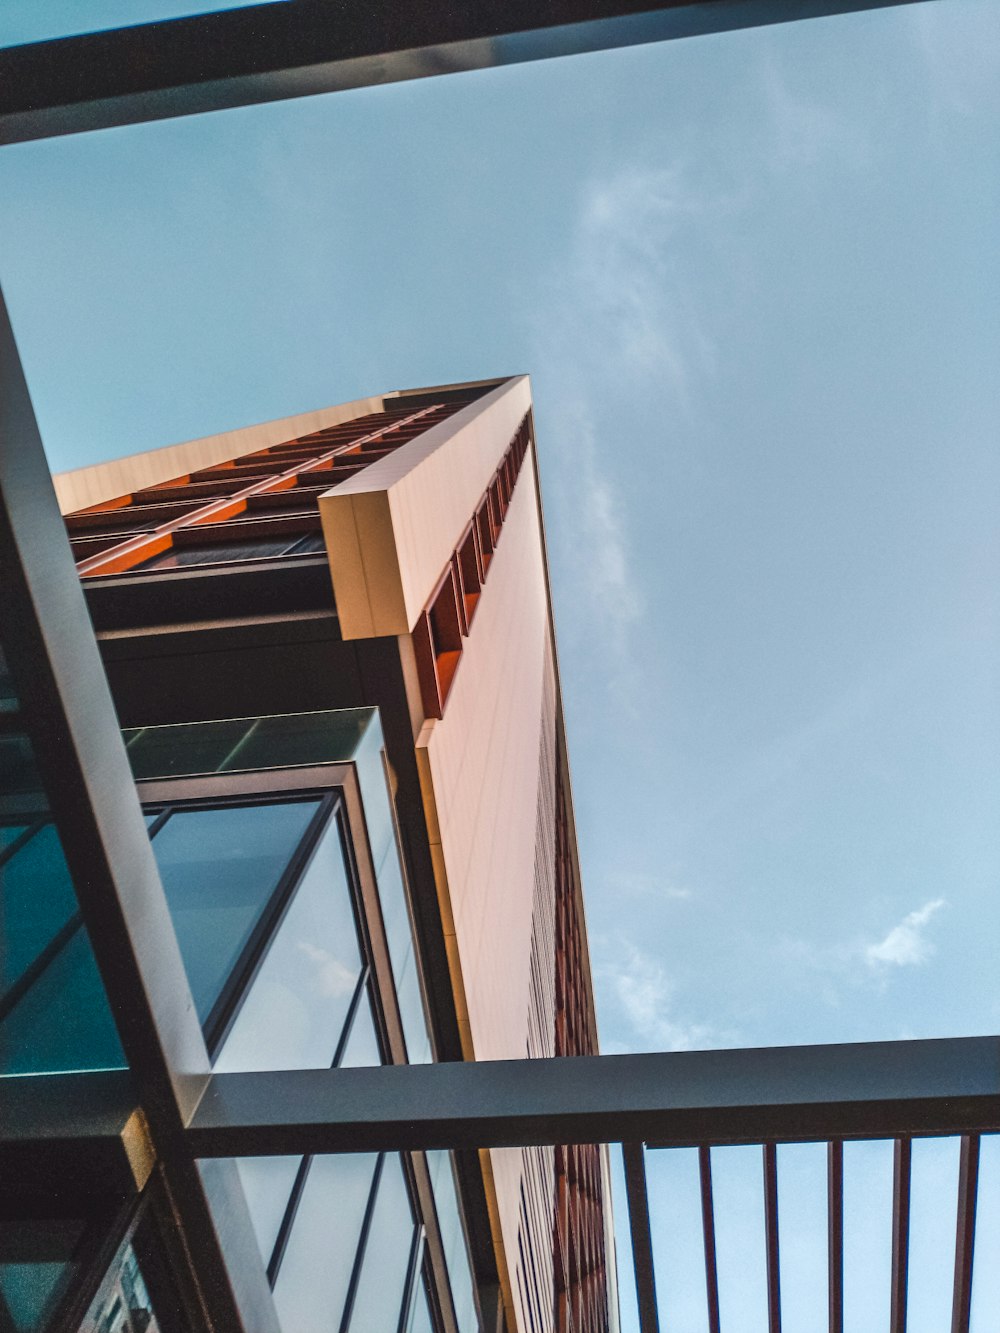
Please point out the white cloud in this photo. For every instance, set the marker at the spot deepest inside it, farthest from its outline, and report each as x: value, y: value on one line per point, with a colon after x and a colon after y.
x: 905, y: 945
x: 333, y: 978
x: 643, y: 994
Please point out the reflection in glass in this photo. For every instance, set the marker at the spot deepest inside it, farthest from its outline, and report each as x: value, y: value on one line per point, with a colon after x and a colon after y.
x: 379, y: 1296
x: 294, y: 1013
x: 420, y: 1315
x: 267, y: 1183
x: 219, y: 869
x: 447, y: 1207
x: 36, y: 1264
x: 122, y: 1305
x: 36, y: 900
x: 62, y: 1022
x: 316, y: 1269
x: 362, y: 1049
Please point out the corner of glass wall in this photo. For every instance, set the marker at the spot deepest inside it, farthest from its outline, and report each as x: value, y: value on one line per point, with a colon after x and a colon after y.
x: 54, y: 1014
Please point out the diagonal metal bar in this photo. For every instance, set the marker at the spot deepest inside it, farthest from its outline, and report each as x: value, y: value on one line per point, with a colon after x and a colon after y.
x: 771, y: 1237
x: 902, y: 1153
x: 835, y: 1233
x: 779, y: 1094
x: 708, y: 1235
x: 968, y: 1188
x: 267, y: 52
x: 642, y: 1240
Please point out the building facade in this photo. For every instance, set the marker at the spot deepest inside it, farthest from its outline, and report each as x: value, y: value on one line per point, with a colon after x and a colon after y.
x: 329, y: 644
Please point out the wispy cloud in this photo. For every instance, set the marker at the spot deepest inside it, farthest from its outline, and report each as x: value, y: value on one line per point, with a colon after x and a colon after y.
x: 333, y: 978
x: 644, y: 999
x: 906, y: 944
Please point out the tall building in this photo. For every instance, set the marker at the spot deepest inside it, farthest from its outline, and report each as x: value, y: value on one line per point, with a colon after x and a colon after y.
x: 329, y: 644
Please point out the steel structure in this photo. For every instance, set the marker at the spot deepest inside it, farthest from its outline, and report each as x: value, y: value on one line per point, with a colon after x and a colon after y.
x: 111, y: 1132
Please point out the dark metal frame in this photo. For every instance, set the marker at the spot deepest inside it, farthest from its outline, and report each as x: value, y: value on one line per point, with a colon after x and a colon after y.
x: 272, y: 51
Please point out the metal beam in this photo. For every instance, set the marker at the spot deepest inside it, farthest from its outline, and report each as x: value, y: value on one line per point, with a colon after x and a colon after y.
x: 263, y: 53
x: 902, y: 1154
x: 835, y: 1234
x: 641, y: 1234
x: 968, y: 1189
x: 770, y: 1154
x: 708, y: 1238
x: 779, y: 1094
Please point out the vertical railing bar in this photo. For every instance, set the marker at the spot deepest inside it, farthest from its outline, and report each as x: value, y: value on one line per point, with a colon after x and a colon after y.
x: 835, y: 1233
x: 642, y: 1241
x: 771, y: 1229
x: 901, y: 1160
x: 708, y: 1231
x: 965, y: 1233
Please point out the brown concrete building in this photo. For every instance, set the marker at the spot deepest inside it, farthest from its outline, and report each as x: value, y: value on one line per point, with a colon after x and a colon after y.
x: 385, y: 554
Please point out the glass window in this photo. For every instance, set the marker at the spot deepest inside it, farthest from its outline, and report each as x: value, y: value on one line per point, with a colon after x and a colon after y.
x: 362, y: 1050
x: 62, y: 1022
x: 122, y: 1305
x: 420, y: 1316
x: 220, y: 868
x: 216, y: 553
x: 10, y: 833
x: 36, y: 1263
x: 456, y: 1255
x: 294, y: 1013
x: 36, y: 901
x: 378, y: 1300
x: 315, y: 1272
x: 267, y: 1183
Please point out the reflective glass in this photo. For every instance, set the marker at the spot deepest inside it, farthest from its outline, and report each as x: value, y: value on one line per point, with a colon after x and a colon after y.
x: 17, y: 766
x: 219, y: 869
x: 10, y: 833
x: 36, y: 900
x: 362, y: 1050
x: 122, y: 1305
x: 420, y: 1315
x: 411, y: 1012
x: 267, y: 1183
x: 62, y: 1022
x: 378, y: 1300
x: 216, y: 553
x: 374, y: 790
x: 317, y: 1265
x: 300, y: 738
x: 456, y: 1255
x: 164, y: 752
x: 294, y: 1013
x: 36, y: 1262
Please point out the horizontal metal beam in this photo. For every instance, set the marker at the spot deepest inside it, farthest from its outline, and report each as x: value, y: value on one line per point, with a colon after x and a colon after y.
x: 80, y: 1136
x: 779, y: 1094
x: 266, y: 52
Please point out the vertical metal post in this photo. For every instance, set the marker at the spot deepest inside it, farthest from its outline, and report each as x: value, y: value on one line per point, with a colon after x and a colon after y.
x: 708, y: 1234
x: 771, y: 1230
x: 965, y: 1233
x: 835, y: 1233
x: 642, y: 1241
x: 900, y: 1233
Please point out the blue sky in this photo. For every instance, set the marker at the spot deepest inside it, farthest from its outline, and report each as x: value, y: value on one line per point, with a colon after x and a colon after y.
x: 755, y: 280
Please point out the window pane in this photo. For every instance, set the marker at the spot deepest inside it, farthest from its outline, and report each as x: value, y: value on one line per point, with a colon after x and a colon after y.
x: 216, y: 553
x: 63, y: 1022
x: 362, y: 1050
x: 10, y: 833
x: 219, y: 869
x: 122, y: 1305
x: 36, y: 1262
x: 315, y: 1272
x: 294, y: 1013
x: 379, y: 1298
x: 36, y: 900
x: 420, y: 1315
x: 267, y: 1183
x: 311, y: 544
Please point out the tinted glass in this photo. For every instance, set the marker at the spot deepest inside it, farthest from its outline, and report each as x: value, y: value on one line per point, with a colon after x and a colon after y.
x: 294, y: 1013
x: 379, y: 1298
x: 36, y: 900
x: 420, y: 1316
x: 122, y: 1305
x: 217, y: 553
x: 10, y: 833
x: 219, y: 869
x: 316, y: 1269
x: 362, y: 1049
x: 36, y: 1261
x: 456, y: 1255
x: 267, y: 1183
x: 311, y: 544
x: 63, y: 1021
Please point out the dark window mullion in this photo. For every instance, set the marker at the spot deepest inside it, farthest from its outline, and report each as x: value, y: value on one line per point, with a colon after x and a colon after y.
x: 227, y: 1005
x: 16, y: 992
x: 412, y: 1277
x: 14, y: 847
x: 359, y: 1257
x: 298, y: 1185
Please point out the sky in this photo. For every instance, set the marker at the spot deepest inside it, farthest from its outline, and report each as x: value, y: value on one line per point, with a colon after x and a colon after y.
x: 755, y: 280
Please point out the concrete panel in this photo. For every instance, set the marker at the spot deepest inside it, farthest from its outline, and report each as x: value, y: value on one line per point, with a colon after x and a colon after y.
x: 432, y: 486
